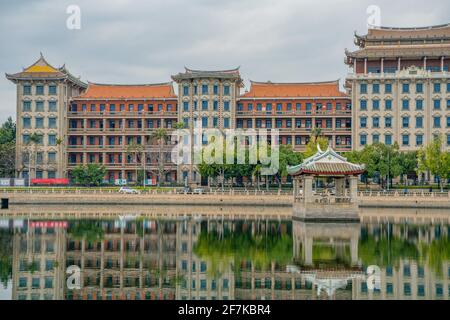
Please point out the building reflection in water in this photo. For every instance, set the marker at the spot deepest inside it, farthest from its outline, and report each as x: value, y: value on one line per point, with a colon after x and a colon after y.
x: 227, y: 259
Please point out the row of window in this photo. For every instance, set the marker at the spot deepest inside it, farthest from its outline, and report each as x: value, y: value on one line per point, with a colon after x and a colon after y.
x: 52, y: 139
x: 39, y: 89
x: 205, y: 89
x: 393, y: 69
x: 205, y: 122
x: 439, y: 289
x: 405, y: 139
x: 36, y: 282
x: 205, y: 105
x: 308, y: 106
x: 39, y: 106
x: 437, y: 88
x: 39, y: 123
x: 363, y: 103
x: 118, y: 124
x: 51, y: 158
x: 405, y: 122
x: 112, y: 107
x: 299, y: 123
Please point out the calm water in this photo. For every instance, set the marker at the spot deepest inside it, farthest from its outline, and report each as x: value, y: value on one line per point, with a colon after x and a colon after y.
x: 193, y: 258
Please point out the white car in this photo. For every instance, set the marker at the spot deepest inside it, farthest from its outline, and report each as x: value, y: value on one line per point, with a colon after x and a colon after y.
x: 198, y: 190
x: 127, y: 190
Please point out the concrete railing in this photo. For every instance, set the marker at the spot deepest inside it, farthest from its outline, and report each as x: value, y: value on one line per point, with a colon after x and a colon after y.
x: 402, y: 194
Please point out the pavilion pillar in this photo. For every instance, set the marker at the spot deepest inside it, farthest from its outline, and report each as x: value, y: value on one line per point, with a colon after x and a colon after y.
x: 340, y: 186
x: 308, y: 189
x: 365, y: 65
x: 354, y: 250
x: 382, y: 65
x: 308, y: 250
x: 353, y: 188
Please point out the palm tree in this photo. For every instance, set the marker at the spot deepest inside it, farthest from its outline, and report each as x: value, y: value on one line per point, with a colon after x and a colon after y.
x: 135, y: 149
x: 161, y: 136
x: 32, y: 144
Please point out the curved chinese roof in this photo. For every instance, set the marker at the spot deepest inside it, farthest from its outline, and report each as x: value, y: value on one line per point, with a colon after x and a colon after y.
x: 294, y: 90
x: 326, y: 163
x: 128, y: 91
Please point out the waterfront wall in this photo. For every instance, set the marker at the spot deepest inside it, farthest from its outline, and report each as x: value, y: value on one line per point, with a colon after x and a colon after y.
x: 244, y: 198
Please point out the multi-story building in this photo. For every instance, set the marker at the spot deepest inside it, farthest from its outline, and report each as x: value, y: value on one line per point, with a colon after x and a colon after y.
x: 400, y: 86
x: 115, y: 125
x: 208, y: 97
x: 295, y: 109
x: 43, y: 94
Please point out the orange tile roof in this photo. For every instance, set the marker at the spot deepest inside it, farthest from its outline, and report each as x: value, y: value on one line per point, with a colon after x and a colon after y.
x: 124, y: 91
x: 286, y: 90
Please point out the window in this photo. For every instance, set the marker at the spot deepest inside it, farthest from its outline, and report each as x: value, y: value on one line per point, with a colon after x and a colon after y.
x: 52, y: 123
x: 160, y: 107
x: 363, y: 122
x: 204, y: 89
x: 376, y: 122
x: 250, y: 107
x: 388, y: 139
x: 376, y: 104
x: 405, y: 139
x: 363, y: 139
x: 39, y: 106
x: 25, y: 138
x: 405, y: 104
x: 376, y: 88
x: 448, y: 104
x: 226, y: 106
x: 52, y: 90
x: 185, y: 106
x: 27, y: 89
x: 419, y: 139
x: 215, y: 122
x: 226, y: 90
x: 448, y: 121
x: 39, y: 123
x: 388, y: 122
x: 448, y: 87
x: 185, y: 90
x: 405, y: 122
x: 26, y: 106
x: 26, y: 123
x: 289, y: 106
x: 436, y: 104
x: 205, y: 122
x: 419, y: 104
x: 436, y: 122
x: 226, y: 122
x: 363, y: 88
x: 204, y: 104
x: 195, y: 89
x: 363, y: 104
x: 52, y: 157
x: 279, y: 107
x: 419, y: 122
x: 39, y: 90
x: 436, y: 87
x: 52, y: 106
x: 388, y: 104
x: 388, y: 88
x: 419, y: 87
x: 375, y: 138
x: 52, y: 140
x: 215, y: 105
x: 405, y: 88
x: 39, y: 157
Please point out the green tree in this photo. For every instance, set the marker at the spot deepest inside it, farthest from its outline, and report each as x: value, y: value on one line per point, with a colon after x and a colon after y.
x: 287, y: 157
x: 135, y: 150
x: 8, y: 131
x: 315, y: 139
x: 161, y: 136
x: 434, y: 159
x: 89, y: 175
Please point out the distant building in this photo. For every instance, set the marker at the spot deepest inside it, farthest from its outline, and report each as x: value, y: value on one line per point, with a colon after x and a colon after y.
x: 43, y: 94
x: 400, y: 86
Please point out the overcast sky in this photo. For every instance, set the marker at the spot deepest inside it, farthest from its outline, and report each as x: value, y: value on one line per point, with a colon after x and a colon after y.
x: 128, y: 41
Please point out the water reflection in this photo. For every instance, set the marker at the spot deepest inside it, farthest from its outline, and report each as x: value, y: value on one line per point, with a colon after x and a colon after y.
x: 223, y: 259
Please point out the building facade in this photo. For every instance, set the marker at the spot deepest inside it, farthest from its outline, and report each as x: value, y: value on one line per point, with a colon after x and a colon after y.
x: 116, y: 125
x: 43, y: 94
x: 295, y: 109
x: 400, y: 86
